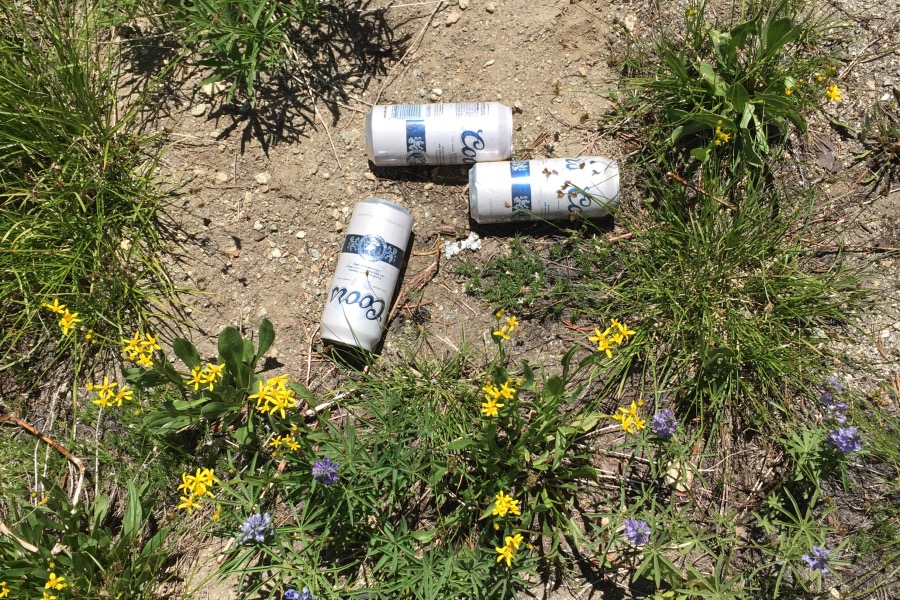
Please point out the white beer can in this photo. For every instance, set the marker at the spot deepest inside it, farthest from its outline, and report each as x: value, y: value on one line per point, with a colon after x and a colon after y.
x: 438, y: 134
x: 548, y: 189
x: 358, y: 301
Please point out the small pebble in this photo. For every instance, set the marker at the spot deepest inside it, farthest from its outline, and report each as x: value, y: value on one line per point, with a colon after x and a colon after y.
x: 489, y: 63
x: 199, y: 110
x: 262, y: 313
x: 258, y: 226
x: 428, y: 186
x: 276, y: 253
x: 338, y: 226
x: 437, y: 92
x: 463, y: 4
x: 221, y: 177
x: 300, y: 234
x: 326, y: 175
x: 517, y: 105
x: 263, y: 178
x: 453, y: 18
x: 582, y: 72
x: 490, y: 7
x: 370, y: 176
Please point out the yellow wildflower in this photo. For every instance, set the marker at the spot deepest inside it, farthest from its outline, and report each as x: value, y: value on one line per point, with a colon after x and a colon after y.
x: 506, y: 391
x: 514, y: 541
x: 512, y: 322
x: 502, y: 333
x: 4, y: 590
x: 504, y: 505
x: 123, y: 394
x: 55, y: 582
x: 188, y: 503
x: 491, y: 407
x: 788, y: 91
x: 628, y: 417
x: 217, y: 514
x: 48, y: 596
x: 505, y: 552
x: 58, y: 309
x: 68, y: 320
x: 834, y: 93
x: 197, y: 377
x: 150, y: 343
x: 603, y: 343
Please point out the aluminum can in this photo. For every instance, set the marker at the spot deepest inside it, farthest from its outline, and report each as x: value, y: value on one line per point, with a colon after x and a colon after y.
x: 548, y: 189
x: 438, y: 134
x: 358, y: 301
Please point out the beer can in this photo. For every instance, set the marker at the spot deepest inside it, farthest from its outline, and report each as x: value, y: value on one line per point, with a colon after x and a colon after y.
x: 438, y: 134
x: 548, y: 189
x: 358, y: 301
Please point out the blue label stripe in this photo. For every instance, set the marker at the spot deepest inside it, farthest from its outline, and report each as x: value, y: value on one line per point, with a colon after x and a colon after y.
x: 519, y: 168
x: 521, y: 197
x: 373, y: 248
x: 415, y: 142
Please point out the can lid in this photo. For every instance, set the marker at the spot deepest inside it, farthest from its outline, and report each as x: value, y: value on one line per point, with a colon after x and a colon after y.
x: 370, y: 147
x: 388, y: 203
x: 473, y: 195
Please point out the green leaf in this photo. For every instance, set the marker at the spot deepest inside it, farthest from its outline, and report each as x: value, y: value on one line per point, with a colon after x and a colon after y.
x: 677, y: 66
x: 709, y: 74
x: 265, y: 338
x: 738, y: 97
x: 303, y: 393
x: 231, y: 352
x: 242, y: 435
x: 424, y: 536
x: 213, y: 410
x: 133, y: 517
x: 701, y: 154
x: 187, y: 352
x: 460, y: 444
x: 776, y: 34
x: 748, y: 114
x: 554, y: 387
x: 183, y: 405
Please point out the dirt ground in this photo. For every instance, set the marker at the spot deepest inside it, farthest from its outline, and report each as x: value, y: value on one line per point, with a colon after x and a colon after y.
x: 268, y: 192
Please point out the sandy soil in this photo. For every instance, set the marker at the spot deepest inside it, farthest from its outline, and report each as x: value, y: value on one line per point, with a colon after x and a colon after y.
x: 267, y: 192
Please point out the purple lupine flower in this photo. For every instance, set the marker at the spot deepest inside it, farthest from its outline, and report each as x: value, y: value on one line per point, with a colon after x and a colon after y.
x: 845, y: 439
x: 818, y: 560
x: 663, y: 423
x: 637, y: 532
x: 839, y: 412
x: 256, y: 528
x: 833, y: 384
x: 304, y: 594
x: 325, y: 471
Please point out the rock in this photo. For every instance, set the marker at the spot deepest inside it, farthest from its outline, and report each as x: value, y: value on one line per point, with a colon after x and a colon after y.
x: 582, y: 72
x: 490, y: 7
x: 300, y: 235
x: 232, y: 252
x: 437, y: 92
x: 263, y: 178
x: 199, y: 110
x: 488, y: 63
x: 273, y: 227
x: 517, y: 106
x: 453, y: 18
x: 338, y: 226
x: 258, y: 226
x: 888, y: 82
x: 370, y: 176
x: 214, y: 88
x: 463, y: 4
x: 630, y: 22
x: 276, y: 253
x: 326, y: 175
x: 870, y: 84
x: 221, y: 177
x: 262, y: 313
x: 428, y: 186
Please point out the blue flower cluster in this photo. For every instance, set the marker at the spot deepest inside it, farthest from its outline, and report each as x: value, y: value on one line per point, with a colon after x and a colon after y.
x: 844, y: 439
x: 817, y: 559
x: 637, y: 532
x: 303, y: 594
x: 256, y: 528
x: 663, y: 423
x: 837, y: 409
x: 325, y: 471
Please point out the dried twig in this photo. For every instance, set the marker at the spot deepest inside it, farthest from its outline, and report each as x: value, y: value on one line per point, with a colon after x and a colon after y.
x: 687, y: 184
x: 56, y: 445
